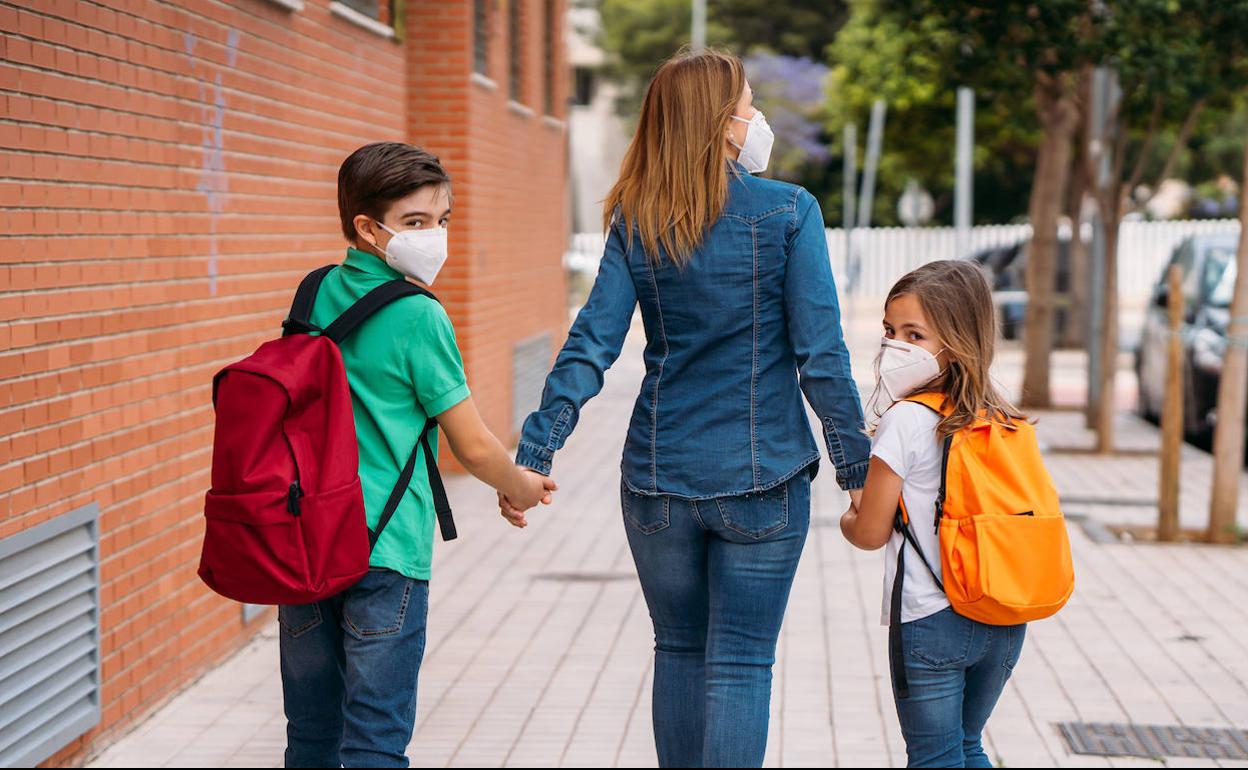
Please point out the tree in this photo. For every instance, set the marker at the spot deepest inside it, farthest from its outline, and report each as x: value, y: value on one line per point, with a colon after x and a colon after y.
x: 1228, y: 442
x: 640, y: 35
x: 1171, y: 59
x: 791, y: 90
x: 906, y: 60
x: 1025, y: 47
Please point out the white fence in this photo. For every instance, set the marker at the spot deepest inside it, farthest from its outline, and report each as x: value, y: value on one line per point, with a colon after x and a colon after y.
x: 887, y: 253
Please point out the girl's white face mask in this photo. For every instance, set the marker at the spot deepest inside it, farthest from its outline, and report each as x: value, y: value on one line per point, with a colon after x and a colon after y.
x: 756, y: 152
x: 418, y: 254
x: 904, y: 367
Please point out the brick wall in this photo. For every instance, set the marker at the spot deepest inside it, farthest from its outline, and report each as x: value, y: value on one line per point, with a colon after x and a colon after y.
x: 167, y: 174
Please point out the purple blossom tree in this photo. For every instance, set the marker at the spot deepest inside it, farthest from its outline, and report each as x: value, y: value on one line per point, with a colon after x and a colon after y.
x: 790, y: 90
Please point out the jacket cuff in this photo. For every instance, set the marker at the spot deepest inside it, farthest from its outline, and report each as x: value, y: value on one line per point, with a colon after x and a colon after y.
x: 853, y: 476
x: 534, y: 457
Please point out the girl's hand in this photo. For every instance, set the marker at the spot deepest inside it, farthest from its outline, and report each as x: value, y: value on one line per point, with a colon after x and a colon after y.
x: 868, y: 524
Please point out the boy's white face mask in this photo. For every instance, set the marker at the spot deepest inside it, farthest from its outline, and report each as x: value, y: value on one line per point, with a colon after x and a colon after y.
x: 904, y: 367
x: 418, y: 254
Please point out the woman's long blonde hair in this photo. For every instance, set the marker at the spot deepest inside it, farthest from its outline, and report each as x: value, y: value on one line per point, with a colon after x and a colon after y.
x: 957, y: 302
x: 673, y: 181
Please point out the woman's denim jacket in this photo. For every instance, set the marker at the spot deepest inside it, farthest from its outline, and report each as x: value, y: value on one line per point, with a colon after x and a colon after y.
x: 727, y: 337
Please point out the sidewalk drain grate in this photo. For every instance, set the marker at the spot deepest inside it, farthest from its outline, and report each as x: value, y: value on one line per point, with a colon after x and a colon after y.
x: 584, y: 577
x: 1154, y: 741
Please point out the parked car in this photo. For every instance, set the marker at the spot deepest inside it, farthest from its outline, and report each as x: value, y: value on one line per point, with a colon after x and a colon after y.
x: 1208, y: 265
x: 1007, y: 268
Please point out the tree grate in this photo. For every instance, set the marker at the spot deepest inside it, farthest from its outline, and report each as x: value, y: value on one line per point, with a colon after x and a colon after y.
x: 1154, y: 741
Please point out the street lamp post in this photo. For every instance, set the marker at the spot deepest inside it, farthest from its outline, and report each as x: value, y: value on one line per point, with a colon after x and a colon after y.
x: 699, y: 25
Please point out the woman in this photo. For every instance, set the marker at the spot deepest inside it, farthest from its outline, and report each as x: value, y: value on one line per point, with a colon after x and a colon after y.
x: 736, y: 293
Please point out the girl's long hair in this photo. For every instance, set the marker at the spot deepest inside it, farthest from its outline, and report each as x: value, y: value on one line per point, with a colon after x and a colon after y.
x: 957, y: 302
x: 673, y: 181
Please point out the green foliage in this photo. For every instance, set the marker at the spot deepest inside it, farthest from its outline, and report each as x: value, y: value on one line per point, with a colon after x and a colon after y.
x: 908, y: 61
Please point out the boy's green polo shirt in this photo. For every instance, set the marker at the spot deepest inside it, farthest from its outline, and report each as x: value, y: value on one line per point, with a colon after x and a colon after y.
x: 403, y: 366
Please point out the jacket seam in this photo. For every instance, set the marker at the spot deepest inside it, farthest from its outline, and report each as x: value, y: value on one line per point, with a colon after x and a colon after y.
x: 658, y: 379
x: 754, y: 364
x: 833, y: 436
x: 806, y: 463
x: 561, y: 424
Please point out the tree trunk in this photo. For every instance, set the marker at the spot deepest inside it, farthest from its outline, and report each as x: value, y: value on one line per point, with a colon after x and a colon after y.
x: 1058, y: 116
x: 1076, y: 329
x: 1111, y: 213
x: 1228, y: 442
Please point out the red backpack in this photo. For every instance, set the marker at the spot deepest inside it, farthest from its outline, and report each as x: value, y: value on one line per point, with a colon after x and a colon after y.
x: 285, y: 514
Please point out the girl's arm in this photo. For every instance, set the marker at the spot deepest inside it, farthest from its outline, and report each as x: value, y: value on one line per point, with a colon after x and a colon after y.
x: 869, y: 524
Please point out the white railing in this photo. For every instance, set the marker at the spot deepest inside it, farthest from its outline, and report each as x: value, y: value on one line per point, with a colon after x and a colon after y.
x: 887, y: 253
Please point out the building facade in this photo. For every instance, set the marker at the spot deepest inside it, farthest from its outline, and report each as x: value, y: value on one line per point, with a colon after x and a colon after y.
x: 167, y: 174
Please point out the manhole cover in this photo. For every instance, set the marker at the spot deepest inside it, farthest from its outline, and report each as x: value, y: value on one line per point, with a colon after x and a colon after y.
x: 1154, y: 741
x: 584, y: 577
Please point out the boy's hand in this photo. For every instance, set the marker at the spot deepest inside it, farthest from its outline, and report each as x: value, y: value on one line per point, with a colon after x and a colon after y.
x: 533, y: 488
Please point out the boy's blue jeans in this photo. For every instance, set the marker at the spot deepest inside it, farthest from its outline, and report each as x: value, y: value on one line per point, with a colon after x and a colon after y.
x: 349, y: 670
x: 716, y: 576
x: 956, y: 669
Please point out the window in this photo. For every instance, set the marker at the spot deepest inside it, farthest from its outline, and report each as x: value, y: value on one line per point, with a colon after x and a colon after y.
x: 515, y: 41
x: 584, y: 87
x: 481, y: 37
x: 549, y: 33
x: 370, y: 8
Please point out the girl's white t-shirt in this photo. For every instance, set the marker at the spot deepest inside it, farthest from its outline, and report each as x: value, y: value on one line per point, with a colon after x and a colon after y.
x: 906, y: 440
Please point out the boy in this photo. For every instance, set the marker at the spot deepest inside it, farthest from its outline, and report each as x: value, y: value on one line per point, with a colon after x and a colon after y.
x: 350, y: 663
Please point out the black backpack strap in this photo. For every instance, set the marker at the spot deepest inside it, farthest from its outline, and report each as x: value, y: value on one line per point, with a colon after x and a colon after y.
x: 370, y: 303
x: 896, y: 653
x: 441, y: 505
x: 337, y: 331
x: 940, y: 494
x: 300, y: 319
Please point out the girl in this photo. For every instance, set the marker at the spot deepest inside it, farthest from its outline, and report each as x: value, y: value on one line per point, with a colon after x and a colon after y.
x: 939, y: 331
x: 732, y: 276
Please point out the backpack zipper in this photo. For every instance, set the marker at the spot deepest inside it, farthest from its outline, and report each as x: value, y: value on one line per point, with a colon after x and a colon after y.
x: 295, y: 492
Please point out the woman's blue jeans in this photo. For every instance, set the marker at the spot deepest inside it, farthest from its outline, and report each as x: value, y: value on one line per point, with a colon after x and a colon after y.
x: 716, y: 576
x: 956, y: 669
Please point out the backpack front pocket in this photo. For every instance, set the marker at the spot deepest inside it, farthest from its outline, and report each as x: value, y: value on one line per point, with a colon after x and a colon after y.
x: 1007, y: 569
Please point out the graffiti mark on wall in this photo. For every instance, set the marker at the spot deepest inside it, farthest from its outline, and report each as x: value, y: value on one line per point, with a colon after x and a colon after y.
x: 213, y: 181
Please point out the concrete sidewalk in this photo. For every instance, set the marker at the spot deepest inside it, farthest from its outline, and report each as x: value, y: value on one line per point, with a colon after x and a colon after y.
x: 539, y: 650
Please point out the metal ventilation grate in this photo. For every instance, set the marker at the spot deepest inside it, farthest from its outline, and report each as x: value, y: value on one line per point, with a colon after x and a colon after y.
x: 530, y: 363
x: 49, y: 636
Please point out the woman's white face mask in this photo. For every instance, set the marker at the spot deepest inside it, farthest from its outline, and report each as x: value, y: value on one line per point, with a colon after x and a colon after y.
x: 904, y: 367
x: 756, y: 151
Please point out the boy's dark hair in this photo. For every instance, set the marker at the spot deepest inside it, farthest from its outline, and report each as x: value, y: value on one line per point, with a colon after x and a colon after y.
x: 378, y: 174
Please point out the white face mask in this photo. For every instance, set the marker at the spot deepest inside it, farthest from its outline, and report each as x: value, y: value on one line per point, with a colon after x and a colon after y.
x: 904, y: 367
x: 418, y: 254
x: 756, y: 151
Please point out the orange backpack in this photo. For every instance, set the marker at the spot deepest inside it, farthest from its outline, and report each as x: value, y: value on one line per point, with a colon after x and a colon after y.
x: 1004, y: 552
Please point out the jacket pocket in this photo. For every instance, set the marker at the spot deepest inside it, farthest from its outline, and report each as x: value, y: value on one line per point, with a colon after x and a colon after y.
x: 645, y: 513
x: 756, y: 515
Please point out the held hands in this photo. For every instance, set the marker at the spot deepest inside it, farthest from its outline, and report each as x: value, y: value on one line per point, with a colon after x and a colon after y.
x: 530, y: 489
